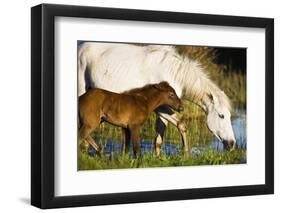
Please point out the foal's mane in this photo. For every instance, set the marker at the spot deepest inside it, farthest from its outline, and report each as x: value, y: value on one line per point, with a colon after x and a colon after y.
x: 142, y: 89
x: 138, y: 89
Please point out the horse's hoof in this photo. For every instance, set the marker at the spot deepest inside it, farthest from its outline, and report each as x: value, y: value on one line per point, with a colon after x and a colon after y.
x: 186, y: 155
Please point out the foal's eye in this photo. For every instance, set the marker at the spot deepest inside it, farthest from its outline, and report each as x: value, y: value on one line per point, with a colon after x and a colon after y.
x: 172, y: 95
x: 221, y: 116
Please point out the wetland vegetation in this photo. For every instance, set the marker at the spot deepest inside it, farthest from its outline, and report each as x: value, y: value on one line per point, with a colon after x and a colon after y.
x: 205, y: 148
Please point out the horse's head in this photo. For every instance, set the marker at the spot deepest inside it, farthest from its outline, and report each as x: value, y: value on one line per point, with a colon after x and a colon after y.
x: 219, y: 122
x: 169, y: 96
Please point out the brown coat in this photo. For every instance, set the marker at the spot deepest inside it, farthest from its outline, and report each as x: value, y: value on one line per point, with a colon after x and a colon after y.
x: 128, y: 110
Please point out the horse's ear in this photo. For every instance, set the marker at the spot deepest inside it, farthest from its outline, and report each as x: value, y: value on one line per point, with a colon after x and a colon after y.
x: 212, y: 98
x: 162, y: 85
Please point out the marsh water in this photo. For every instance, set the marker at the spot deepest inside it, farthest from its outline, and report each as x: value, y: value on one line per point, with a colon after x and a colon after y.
x: 169, y: 147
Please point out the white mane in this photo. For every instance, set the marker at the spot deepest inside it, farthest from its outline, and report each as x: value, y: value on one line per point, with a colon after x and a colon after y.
x: 184, y: 71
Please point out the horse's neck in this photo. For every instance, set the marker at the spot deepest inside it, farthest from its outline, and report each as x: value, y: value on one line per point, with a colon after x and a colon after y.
x: 198, y: 93
x: 203, y: 103
x: 188, y: 80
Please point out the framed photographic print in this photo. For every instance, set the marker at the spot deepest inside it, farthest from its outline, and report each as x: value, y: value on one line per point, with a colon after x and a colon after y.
x: 140, y: 106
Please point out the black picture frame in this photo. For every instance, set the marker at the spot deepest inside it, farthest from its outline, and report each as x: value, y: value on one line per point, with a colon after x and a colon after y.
x: 43, y: 117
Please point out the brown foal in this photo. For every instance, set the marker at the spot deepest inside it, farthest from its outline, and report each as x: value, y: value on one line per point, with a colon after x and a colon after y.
x: 128, y: 110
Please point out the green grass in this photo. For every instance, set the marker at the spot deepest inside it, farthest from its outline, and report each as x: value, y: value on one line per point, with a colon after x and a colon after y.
x: 148, y: 160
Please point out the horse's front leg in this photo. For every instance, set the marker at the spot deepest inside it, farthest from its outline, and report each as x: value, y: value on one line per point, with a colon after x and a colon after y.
x: 183, y: 129
x: 161, y: 124
x: 167, y: 115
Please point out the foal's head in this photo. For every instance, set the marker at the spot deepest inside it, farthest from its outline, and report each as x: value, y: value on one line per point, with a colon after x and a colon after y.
x: 168, y: 96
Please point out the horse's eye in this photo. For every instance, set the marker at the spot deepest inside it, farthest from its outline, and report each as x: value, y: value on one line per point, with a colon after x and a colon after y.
x: 172, y: 95
x: 221, y: 116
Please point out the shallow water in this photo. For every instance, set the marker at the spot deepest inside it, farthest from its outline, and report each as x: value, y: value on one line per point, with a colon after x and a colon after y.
x: 111, y: 146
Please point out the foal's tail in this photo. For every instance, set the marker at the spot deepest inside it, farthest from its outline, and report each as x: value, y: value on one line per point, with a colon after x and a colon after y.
x: 79, y: 119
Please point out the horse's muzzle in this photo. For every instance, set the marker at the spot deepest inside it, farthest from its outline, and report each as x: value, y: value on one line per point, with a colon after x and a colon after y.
x: 228, y: 145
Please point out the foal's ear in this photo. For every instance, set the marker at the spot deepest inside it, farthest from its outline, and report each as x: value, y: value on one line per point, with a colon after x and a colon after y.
x: 162, y: 85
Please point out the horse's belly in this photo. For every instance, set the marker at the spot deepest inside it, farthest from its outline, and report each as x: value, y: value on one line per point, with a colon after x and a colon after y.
x: 118, y: 84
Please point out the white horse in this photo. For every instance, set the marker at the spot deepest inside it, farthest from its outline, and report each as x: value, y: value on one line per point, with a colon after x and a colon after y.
x: 121, y: 67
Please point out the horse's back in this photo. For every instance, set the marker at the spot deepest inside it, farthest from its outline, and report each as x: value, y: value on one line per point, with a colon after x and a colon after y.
x: 120, y: 67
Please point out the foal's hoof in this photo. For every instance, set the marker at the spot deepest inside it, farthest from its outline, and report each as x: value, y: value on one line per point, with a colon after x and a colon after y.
x: 99, y: 153
x: 84, y: 147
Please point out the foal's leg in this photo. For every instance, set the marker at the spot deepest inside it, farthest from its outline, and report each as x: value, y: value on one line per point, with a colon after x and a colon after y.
x: 84, y: 131
x: 94, y: 145
x: 125, y: 140
x: 84, y: 135
x: 135, y: 138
